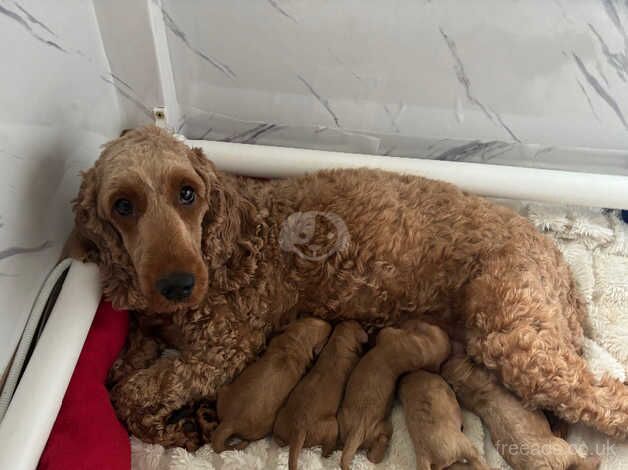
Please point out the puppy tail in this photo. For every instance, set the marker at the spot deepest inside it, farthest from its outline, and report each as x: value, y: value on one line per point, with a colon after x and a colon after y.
x: 296, y: 444
x: 352, y: 444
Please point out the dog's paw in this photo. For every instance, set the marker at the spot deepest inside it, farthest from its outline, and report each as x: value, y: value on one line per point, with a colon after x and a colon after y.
x: 182, y: 413
x: 185, y: 433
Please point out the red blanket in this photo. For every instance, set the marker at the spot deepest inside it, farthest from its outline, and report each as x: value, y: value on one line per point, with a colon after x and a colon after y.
x: 87, y: 434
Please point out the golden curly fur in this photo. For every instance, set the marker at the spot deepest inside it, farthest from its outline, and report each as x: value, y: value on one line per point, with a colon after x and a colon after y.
x: 414, y: 247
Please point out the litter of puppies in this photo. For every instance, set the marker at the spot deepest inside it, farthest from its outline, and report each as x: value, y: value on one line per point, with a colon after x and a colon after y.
x: 321, y: 386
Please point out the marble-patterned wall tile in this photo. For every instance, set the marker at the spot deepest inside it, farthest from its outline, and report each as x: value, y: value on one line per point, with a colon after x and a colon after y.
x: 59, y: 101
x: 546, y: 74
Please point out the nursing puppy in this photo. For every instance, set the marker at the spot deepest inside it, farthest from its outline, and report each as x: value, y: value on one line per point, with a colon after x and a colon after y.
x: 434, y: 421
x: 248, y: 406
x: 523, y: 437
x: 308, y: 417
x: 363, y: 418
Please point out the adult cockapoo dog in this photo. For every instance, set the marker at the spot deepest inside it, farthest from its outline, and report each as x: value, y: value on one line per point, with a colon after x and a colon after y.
x: 214, y: 263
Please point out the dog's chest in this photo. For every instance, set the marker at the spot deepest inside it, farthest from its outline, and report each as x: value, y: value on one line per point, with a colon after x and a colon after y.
x: 240, y: 319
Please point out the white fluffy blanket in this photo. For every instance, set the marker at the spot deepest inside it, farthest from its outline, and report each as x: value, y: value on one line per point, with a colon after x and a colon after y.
x: 595, y: 243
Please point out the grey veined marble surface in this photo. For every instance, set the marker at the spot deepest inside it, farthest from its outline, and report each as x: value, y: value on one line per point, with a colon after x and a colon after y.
x: 540, y: 83
x: 533, y: 83
x: 58, y: 103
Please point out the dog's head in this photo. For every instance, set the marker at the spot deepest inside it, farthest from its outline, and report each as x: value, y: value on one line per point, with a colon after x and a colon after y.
x: 153, y: 213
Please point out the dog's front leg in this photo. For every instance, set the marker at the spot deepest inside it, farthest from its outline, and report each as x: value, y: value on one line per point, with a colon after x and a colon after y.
x: 140, y: 352
x: 146, y: 399
x: 154, y: 402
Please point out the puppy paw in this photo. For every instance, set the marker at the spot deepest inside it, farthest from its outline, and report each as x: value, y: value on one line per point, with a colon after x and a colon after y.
x: 207, y: 420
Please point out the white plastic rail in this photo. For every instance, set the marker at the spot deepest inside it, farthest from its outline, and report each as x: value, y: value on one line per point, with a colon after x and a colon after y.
x: 551, y: 186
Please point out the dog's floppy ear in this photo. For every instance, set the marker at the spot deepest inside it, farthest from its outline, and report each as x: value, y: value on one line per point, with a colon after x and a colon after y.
x: 232, y: 229
x: 77, y: 247
x: 89, y: 234
x: 95, y: 240
x: 100, y: 241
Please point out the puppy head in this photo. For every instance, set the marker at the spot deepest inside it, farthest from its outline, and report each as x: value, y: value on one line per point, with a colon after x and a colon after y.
x: 428, y: 332
x: 460, y: 372
x: 140, y: 215
x: 352, y: 331
x: 310, y: 333
x: 389, y: 336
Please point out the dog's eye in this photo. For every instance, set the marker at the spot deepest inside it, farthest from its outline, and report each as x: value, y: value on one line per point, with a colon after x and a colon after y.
x: 124, y: 207
x: 187, y: 195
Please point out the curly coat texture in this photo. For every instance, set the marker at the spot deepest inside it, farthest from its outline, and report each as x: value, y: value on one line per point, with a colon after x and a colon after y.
x: 412, y: 247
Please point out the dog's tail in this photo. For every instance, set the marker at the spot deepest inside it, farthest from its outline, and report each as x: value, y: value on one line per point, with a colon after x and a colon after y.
x: 558, y: 379
x: 352, y: 444
x: 296, y: 444
x: 221, y: 435
x: 573, y: 393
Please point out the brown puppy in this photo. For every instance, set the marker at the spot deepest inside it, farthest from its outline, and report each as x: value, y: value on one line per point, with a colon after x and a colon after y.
x: 363, y: 418
x: 523, y: 437
x: 434, y: 421
x: 248, y: 406
x: 308, y: 418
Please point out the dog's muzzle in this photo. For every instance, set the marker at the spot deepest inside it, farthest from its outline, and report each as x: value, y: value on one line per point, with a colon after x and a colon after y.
x: 176, y: 286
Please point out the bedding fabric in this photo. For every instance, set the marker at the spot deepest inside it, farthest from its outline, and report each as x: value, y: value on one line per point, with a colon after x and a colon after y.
x: 86, y: 434
x: 595, y: 243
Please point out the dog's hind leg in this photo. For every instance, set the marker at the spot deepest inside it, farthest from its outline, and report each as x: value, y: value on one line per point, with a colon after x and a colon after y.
x: 517, y: 327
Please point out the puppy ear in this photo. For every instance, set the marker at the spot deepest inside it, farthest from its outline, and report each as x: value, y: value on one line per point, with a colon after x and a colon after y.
x: 361, y: 335
x: 319, y: 347
x: 388, y: 334
x: 204, y: 168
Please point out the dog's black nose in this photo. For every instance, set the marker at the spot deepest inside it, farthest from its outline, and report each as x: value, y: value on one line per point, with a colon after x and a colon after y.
x: 176, y: 286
